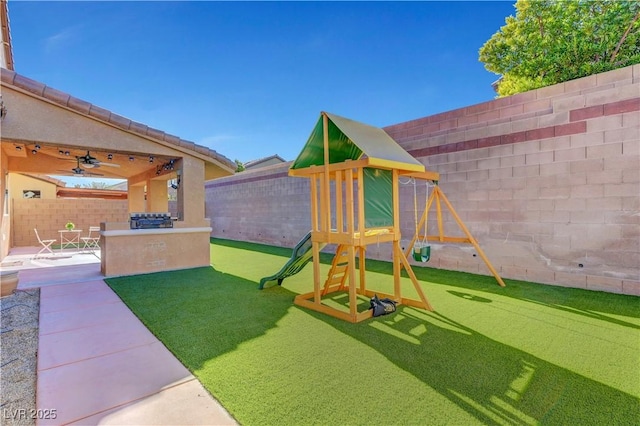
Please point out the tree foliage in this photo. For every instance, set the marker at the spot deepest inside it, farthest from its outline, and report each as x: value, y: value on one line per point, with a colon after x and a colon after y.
x: 549, y: 42
x: 239, y: 166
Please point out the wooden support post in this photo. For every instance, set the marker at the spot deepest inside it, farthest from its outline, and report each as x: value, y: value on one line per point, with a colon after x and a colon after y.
x: 314, y: 202
x: 316, y: 272
x: 414, y: 280
x: 395, y: 195
x: 353, y: 301
x: 471, y: 239
x: 339, y: 204
x: 397, y: 253
x: 362, y: 268
x: 361, y: 221
x: 350, y: 202
x: 326, y: 183
x: 325, y: 220
x: 436, y: 190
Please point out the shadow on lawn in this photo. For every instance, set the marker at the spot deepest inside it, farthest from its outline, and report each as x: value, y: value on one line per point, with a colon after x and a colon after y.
x: 576, y: 301
x: 494, y: 382
x: 197, y: 332
x: 573, y: 300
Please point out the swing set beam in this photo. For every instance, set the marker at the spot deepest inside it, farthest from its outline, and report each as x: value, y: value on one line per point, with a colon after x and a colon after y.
x: 439, y: 197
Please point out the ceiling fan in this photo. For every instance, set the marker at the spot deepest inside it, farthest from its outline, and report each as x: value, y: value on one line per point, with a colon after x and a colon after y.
x: 88, y: 161
x: 79, y: 171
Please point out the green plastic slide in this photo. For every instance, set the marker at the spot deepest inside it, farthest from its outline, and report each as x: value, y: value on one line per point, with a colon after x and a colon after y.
x: 301, y: 255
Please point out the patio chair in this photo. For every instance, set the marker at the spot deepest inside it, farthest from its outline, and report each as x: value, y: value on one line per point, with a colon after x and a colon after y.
x: 46, y: 244
x: 92, y: 241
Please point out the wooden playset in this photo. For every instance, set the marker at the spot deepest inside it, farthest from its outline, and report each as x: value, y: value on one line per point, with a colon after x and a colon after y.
x: 354, y: 171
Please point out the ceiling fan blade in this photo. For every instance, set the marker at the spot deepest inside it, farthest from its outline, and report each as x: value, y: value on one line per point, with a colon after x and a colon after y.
x: 101, y: 163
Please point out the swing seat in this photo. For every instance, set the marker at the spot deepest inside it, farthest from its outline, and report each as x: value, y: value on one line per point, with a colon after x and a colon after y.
x: 421, y: 253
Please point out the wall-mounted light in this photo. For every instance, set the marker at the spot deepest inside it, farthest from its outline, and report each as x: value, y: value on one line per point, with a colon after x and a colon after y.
x: 18, y: 148
x: 66, y: 153
x: 176, y: 185
x: 151, y: 158
x: 61, y: 152
x: 37, y: 147
x: 131, y: 158
x: 109, y: 156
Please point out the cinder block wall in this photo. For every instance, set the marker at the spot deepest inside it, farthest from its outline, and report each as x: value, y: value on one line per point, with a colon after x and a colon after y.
x: 50, y: 215
x: 547, y: 181
x: 263, y: 205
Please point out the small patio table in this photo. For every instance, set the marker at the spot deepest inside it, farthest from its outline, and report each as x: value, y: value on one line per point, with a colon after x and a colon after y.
x: 70, y: 238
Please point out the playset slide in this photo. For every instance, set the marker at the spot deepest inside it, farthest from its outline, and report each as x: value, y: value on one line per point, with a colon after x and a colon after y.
x: 301, y: 255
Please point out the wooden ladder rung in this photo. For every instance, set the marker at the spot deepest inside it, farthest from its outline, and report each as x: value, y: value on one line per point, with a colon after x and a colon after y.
x: 336, y: 279
x: 340, y: 269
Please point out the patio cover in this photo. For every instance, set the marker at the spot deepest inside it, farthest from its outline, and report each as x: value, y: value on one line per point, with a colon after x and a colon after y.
x: 351, y: 140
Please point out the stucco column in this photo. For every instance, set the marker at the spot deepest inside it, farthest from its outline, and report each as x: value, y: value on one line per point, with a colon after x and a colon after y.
x: 136, y: 198
x: 157, y: 197
x: 192, y: 191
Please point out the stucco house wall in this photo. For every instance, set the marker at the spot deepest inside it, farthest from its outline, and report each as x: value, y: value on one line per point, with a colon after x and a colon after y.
x: 18, y: 183
x: 40, y: 118
x: 547, y: 181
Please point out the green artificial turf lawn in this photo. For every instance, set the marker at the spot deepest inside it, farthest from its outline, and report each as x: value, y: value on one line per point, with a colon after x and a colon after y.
x: 524, y: 354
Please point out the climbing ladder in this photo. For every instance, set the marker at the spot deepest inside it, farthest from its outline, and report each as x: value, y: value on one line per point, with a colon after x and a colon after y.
x: 337, y: 276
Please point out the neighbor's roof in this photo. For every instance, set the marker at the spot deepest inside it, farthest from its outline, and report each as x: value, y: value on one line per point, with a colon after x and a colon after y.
x: 45, y: 178
x: 106, y: 194
x: 11, y: 78
x: 351, y: 140
x: 254, y: 163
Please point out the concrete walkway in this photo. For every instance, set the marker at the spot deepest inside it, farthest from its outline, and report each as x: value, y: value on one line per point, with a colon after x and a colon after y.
x: 97, y: 363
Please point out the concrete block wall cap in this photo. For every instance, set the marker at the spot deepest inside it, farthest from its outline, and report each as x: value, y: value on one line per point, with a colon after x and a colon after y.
x: 56, y: 96
x: 29, y: 84
x: 7, y: 76
x: 612, y: 76
x: 78, y: 105
x: 436, y: 118
x: 520, y: 98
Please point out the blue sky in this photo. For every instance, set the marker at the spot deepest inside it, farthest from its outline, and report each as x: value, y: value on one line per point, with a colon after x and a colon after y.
x: 249, y: 79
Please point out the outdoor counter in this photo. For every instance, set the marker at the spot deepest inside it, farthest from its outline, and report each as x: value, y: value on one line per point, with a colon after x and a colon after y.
x: 127, y: 251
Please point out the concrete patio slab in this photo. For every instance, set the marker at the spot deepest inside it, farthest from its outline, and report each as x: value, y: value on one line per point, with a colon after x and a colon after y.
x: 98, y: 364
x: 75, y: 345
x: 75, y: 288
x: 99, y: 296
x: 54, y: 322
x: 90, y: 386
x: 32, y: 278
x: 187, y: 404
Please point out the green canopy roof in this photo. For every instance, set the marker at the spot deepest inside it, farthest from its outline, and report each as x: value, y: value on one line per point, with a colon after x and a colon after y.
x: 351, y: 140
